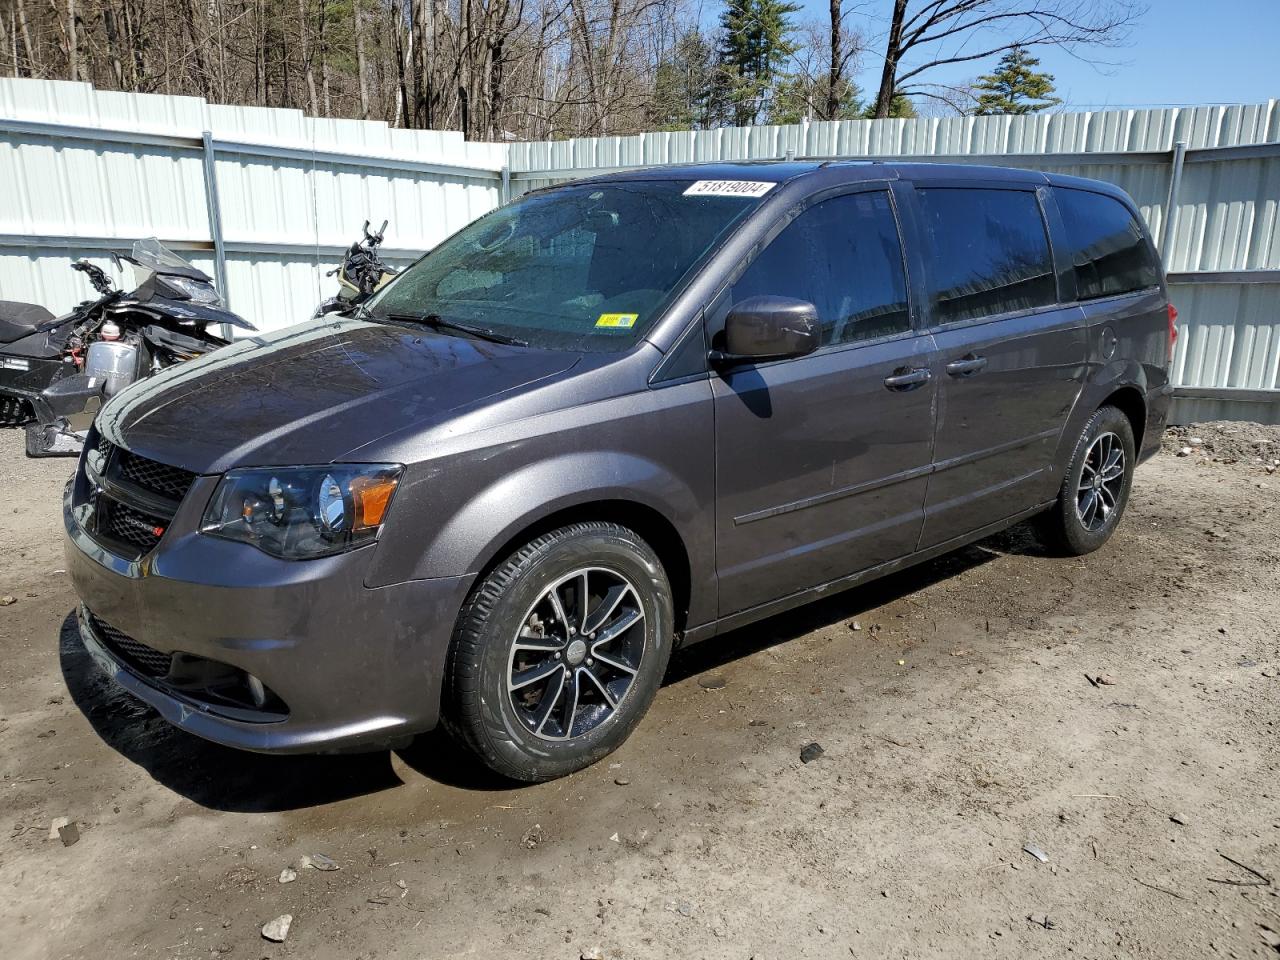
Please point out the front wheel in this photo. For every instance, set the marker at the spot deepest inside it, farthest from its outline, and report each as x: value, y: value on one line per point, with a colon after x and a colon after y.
x: 559, y: 651
x: 1096, y: 487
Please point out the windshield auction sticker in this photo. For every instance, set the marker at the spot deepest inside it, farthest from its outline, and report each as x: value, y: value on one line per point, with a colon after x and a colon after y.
x: 728, y: 188
x: 617, y: 321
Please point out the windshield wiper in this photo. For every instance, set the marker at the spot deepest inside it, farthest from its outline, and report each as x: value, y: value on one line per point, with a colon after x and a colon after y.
x: 437, y: 322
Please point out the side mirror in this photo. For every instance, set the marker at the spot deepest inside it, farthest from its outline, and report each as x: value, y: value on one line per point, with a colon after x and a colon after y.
x: 769, y: 328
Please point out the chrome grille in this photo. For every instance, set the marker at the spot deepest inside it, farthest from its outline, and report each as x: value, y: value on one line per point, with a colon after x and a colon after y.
x: 147, y: 661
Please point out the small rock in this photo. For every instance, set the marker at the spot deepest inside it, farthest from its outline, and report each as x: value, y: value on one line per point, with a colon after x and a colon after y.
x: 1179, y: 819
x: 532, y: 837
x: 69, y: 834
x: 811, y: 752
x: 1184, y: 452
x: 712, y: 681
x: 319, y: 861
x: 622, y: 781
x: 1106, y: 680
x: 1033, y: 850
x: 288, y: 875
x: 8, y: 600
x: 592, y: 953
x: 902, y: 663
x: 57, y: 824
x: 757, y: 723
x: 855, y: 625
x: 1195, y: 441
x: 615, y: 838
x: 276, y: 930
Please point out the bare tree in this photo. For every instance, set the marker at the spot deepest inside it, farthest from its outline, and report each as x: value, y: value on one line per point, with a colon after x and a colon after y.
x: 494, y: 69
x: 948, y: 31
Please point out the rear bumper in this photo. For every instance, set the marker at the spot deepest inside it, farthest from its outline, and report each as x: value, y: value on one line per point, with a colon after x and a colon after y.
x: 352, y: 667
x: 1159, y: 404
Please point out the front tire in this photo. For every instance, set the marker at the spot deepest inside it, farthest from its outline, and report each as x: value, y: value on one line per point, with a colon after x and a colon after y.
x: 1096, y: 486
x: 559, y: 651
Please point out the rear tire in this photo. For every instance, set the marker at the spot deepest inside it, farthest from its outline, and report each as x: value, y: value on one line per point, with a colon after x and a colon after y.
x: 559, y: 651
x: 1095, y: 488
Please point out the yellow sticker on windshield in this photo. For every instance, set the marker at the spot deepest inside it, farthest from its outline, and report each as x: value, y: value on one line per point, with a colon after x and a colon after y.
x: 618, y: 321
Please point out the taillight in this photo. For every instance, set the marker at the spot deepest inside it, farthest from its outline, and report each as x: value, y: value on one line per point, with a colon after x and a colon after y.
x: 1173, y: 329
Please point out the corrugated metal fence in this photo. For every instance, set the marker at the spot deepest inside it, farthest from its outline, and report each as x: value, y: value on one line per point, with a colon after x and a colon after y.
x: 269, y: 198
x: 266, y: 200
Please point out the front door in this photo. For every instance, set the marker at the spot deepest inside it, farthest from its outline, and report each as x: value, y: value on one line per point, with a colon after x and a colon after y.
x: 821, y: 464
x: 1010, y: 359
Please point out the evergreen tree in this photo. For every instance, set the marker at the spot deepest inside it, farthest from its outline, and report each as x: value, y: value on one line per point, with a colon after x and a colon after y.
x: 754, y: 46
x: 682, y: 85
x: 1015, y: 87
x: 798, y: 97
x: 900, y: 108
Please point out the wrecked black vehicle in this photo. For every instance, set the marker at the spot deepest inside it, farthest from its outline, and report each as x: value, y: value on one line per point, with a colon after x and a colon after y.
x: 56, y: 372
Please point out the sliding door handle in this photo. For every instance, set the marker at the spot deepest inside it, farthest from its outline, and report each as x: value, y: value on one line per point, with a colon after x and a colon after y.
x: 906, y: 378
x: 966, y: 366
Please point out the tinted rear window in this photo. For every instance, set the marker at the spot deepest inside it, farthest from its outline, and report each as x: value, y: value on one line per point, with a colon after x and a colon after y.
x: 989, y: 252
x: 1108, y: 249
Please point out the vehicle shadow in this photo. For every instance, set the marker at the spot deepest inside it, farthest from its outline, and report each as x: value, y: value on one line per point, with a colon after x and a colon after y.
x: 846, y: 605
x: 213, y: 776
x: 221, y: 778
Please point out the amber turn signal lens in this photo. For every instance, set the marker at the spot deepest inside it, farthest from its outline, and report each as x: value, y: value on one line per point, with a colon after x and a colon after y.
x: 371, y: 496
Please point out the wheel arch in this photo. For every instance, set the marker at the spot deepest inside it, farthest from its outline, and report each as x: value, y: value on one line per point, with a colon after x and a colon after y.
x: 645, y: 521
x: 1129, y: 401
x: 613, y: 486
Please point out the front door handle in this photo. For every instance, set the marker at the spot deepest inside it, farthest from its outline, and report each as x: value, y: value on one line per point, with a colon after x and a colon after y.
x: 966, y: 366
x: 906, y: 378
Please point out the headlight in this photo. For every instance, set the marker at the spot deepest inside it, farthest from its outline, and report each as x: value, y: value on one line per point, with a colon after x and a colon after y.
x: 297, y: 513
x: 197, y: 291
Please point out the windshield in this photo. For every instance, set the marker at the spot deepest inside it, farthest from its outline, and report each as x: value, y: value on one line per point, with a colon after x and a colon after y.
x: 154, y: 254
x: 582, y: 267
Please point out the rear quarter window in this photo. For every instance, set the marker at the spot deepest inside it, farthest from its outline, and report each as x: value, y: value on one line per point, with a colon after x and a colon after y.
x: 1109, y: 250
x: 988, y: 252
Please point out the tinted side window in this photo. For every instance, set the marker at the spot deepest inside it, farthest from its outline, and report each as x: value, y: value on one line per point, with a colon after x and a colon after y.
x: 1108, y: 249
x: 989, y: 252
x: 845, y: 257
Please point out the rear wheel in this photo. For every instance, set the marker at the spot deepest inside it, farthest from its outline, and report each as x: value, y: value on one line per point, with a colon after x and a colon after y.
x: 1096, y: 486
x: 559, y: 651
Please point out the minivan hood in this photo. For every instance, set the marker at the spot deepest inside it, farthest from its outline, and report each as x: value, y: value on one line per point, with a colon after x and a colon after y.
x: 313, y: 392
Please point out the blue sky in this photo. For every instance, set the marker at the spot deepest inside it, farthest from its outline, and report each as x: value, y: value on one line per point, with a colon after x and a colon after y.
x: 1183, y: 52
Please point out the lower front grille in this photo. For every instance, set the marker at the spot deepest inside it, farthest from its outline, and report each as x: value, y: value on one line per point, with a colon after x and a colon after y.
x: 147, y: 661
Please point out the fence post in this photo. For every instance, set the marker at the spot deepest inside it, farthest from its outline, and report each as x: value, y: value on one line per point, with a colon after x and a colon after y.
x: 1171, y: 205
x: 504, y: 194
x: 207, y: 158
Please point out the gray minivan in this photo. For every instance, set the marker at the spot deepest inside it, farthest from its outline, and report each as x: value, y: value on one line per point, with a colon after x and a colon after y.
x: 614, y: 417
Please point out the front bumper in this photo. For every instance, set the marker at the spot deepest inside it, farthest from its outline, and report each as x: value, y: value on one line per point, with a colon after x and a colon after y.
x: 353, y: 667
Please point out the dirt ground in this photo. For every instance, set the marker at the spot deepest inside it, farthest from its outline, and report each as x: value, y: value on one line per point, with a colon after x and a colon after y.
x: 1117, y: 712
